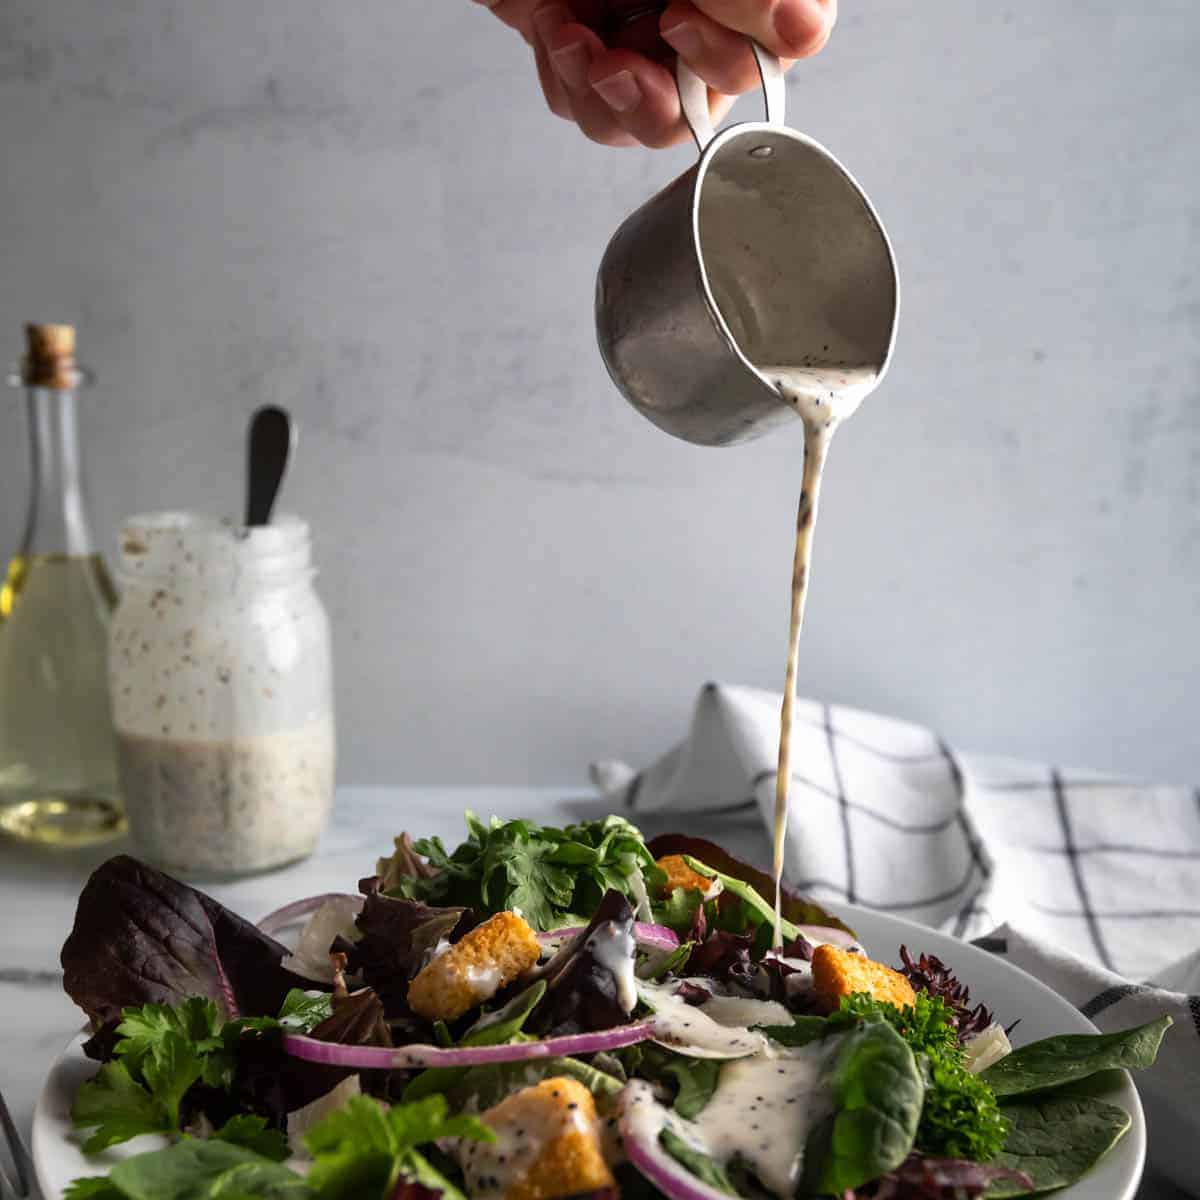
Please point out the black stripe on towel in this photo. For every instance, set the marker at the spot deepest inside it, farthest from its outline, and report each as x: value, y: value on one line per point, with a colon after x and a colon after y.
x: 808, y: 885
x: 877, y: 751
x: 1111, y: 996
x: 993, y: 945
x: 973, y: 846
x: 1064, y: 820
x: 1142, y: 914
x: 632, y: 794
x: 938, y: 826
x: 1120, y: 848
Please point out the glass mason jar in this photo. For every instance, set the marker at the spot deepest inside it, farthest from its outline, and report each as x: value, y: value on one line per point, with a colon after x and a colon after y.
x: 222, y: 697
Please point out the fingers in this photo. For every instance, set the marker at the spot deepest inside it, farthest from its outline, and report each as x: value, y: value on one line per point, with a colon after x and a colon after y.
x: 549, y: 19
x: 720, y: 56
x: 788, y: 28
x: 619, y: 96
x: 564, y: 52
x: 641, y: 96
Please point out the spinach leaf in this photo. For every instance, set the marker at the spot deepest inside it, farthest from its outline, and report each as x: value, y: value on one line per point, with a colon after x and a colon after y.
x: 878, y: 1091
x: 800, y: 1032
x: 492, y: 1029
x: 1058, y: 1060
x: 669, y: 960
x: 487, y: 1086
x: 699, y: 1163
x: 92, y: 1187
x: 204, y: 1170
x: 697, y: 1079
x: 1056, y: 1140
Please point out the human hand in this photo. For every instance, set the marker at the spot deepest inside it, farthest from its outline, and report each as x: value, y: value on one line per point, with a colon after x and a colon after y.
x: 613, y: 78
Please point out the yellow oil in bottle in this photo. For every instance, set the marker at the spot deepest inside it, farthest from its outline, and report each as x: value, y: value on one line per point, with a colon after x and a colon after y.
x: 58, y: 779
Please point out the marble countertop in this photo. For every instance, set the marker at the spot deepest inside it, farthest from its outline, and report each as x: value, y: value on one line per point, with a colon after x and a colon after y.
x: 38, y: 890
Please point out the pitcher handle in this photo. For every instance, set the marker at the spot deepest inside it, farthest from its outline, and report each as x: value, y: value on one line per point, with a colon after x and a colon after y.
x: 693, y: 94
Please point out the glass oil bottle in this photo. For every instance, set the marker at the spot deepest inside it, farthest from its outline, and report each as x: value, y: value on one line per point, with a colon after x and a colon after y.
x: 58, y: 766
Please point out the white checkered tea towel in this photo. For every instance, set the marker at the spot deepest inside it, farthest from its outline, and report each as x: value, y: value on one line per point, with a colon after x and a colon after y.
x: 1090, y: 883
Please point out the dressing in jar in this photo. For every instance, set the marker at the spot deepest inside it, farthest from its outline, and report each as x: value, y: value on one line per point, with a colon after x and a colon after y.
x: 222, y: 697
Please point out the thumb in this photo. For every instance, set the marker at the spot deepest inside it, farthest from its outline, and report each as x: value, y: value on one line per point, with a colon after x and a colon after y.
x: 788, y: 28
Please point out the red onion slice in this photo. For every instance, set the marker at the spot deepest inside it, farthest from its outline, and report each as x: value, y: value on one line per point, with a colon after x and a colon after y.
x: 826, y: 933
x: 641, y: 1119
x: 657, y: 937
x: 290, y: 914
x: 398, y: 1058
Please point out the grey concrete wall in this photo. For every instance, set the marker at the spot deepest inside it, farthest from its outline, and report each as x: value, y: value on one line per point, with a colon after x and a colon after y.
x: 362, y: 211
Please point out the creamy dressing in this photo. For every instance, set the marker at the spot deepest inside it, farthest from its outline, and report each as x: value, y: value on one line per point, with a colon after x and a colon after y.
x: 691, y: 1029
x: 763, y: 1110
x: 613, y: 948
x: 745, y: 1011
x: 823, y: 396
x: 485, y: 981
x: 761, y: 1113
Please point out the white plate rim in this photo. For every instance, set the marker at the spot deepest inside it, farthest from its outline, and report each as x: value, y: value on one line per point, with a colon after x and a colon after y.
x: 1116, y: 1177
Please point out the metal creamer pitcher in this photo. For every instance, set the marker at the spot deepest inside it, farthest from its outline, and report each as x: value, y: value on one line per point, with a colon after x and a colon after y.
x: 766, y: 252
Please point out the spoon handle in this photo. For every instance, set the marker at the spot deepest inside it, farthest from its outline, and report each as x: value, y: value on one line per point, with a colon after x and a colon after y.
x: 272, y: 441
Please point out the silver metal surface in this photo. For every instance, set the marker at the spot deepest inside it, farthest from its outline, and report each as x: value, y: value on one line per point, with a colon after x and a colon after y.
x: 765, y: 253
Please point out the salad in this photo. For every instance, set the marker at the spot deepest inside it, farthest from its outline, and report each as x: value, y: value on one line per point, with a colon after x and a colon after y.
x: 546, y: 1013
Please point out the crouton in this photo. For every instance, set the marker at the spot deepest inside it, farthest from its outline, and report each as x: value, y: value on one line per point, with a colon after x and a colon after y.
x: 838, y: 973
x: 680, y: 875
x: 547, y: 1146
x: 474, y: 969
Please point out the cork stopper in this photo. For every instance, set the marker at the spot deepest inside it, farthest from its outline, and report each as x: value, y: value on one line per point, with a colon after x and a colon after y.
x: 50, y: 356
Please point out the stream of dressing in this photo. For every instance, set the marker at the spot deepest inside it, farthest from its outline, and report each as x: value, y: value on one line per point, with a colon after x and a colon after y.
x: 823, y: 396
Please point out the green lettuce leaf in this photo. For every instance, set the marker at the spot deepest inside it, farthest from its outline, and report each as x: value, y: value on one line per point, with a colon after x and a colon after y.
x: 1055, y: 1061
x: 878, y: 1092
x: 1056, y: 1140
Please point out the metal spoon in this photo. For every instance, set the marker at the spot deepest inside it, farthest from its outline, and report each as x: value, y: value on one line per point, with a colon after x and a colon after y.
x: 271, y: 445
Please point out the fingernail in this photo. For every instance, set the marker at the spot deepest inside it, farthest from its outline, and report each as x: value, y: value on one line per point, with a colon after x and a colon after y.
x: 572, y: 62
x: 684, y: 39
x: 547, y: 19
x: 620, y: 91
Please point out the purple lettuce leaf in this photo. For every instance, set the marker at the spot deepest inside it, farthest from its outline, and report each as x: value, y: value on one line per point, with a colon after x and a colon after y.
x: 142, y: 937
x: 796, y: 908
x: 919, y: 1177
x: 398, y: 937
x: 929, y: 974
x: 722, y: 956
x: 582, y: 994
x: 410, y: 1189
